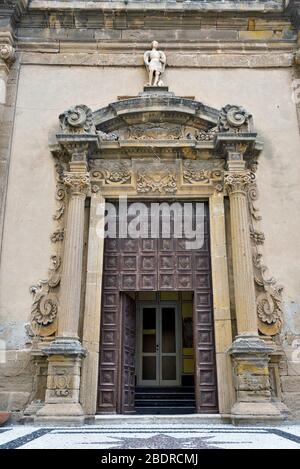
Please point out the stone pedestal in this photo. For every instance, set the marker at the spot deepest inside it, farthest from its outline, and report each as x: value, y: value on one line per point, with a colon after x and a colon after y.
x: 63, y: 383
x: 250, y: 357
x: 156, y: 90
x: 40, y: 386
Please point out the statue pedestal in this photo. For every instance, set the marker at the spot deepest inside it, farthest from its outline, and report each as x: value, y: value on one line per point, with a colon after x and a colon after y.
x: 157, y: 90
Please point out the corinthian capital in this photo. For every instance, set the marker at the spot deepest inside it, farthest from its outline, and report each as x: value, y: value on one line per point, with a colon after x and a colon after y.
x: 238, y: 182
x: 77, y: 183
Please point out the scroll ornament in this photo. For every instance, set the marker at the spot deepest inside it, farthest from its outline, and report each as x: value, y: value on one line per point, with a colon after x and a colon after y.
x: 268, y: 292
x: 234, y: 119
x: 269, y: 300
x: 77, y: 120
x: 44, y: 309
x: 45, y: 304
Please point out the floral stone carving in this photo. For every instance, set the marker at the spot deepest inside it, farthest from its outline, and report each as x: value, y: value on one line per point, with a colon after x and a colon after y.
x: 206, y: 135
x: 193, y: 172
x: 109, y: 137
x: 113, y: 172
x: 157, y: 178
x: 77, y: 183
x: 155, y: 131
x: 238, y: 182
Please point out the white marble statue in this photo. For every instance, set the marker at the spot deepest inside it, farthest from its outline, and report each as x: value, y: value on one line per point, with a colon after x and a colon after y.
x: 155, y: 61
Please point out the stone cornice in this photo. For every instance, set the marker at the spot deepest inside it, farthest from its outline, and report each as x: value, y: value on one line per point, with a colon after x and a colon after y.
x: 197, y: 55
x: 170, y: 5
x: 293, y: 11
x: 11, y: 10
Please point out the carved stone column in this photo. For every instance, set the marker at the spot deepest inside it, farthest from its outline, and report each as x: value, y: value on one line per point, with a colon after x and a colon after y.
x: 249, y: 352
x: 65, y: 351
x: 237, y: 184
x: 77, y: 182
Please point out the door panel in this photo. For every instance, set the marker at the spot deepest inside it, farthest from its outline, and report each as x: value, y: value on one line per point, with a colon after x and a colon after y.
x: 158, y: 346
x: 169, y: 346
x: 128, y: 354
x: 147, y: 347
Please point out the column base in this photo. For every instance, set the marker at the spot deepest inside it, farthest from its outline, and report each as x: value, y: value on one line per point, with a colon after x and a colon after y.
x: 63, y: 382
x: 65, y: 346
x: 255, y: 412
x: 58, y: 414
x: 250, y: 356
x: 33, y: 408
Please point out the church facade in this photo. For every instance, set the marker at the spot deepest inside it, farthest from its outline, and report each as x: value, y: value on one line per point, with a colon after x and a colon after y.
x: 149, y: 209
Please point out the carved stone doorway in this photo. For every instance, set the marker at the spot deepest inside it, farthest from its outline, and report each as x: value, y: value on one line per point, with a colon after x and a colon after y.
x: 146, y: 266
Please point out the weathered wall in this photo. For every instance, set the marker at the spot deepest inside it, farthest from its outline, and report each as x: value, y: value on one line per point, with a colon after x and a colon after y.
x: 45, y: 91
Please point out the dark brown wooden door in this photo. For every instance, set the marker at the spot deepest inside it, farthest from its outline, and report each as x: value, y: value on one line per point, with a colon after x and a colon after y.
x: 157, y: 265
x: 127, y: 355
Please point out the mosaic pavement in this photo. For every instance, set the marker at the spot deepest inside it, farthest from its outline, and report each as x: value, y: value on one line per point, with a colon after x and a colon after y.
x: 151, y: 437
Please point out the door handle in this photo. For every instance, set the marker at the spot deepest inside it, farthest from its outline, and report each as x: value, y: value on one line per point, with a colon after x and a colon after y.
x: 157, y: 347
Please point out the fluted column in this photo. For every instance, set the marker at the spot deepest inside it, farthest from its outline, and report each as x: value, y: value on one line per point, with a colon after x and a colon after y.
x: 237, y: 184
x: 77, y: 184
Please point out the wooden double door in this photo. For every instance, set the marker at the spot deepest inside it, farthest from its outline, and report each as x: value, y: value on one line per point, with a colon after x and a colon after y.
x: 152, y: 265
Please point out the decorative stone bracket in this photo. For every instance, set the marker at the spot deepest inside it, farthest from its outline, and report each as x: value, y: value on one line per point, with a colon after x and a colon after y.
x: 7, y: 57
x: 268, y: 292
x: 44, y: 309
x: 7, y: 53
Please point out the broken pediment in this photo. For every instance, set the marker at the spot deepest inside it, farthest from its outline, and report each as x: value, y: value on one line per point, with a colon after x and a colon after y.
x: 156, y: 107
x: 159, y: 124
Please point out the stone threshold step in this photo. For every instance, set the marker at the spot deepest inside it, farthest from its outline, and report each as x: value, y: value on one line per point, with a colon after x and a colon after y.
x: 184, y: 419
x: 163, y: 394
x: 164, y: 403
x: 165, y: 410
